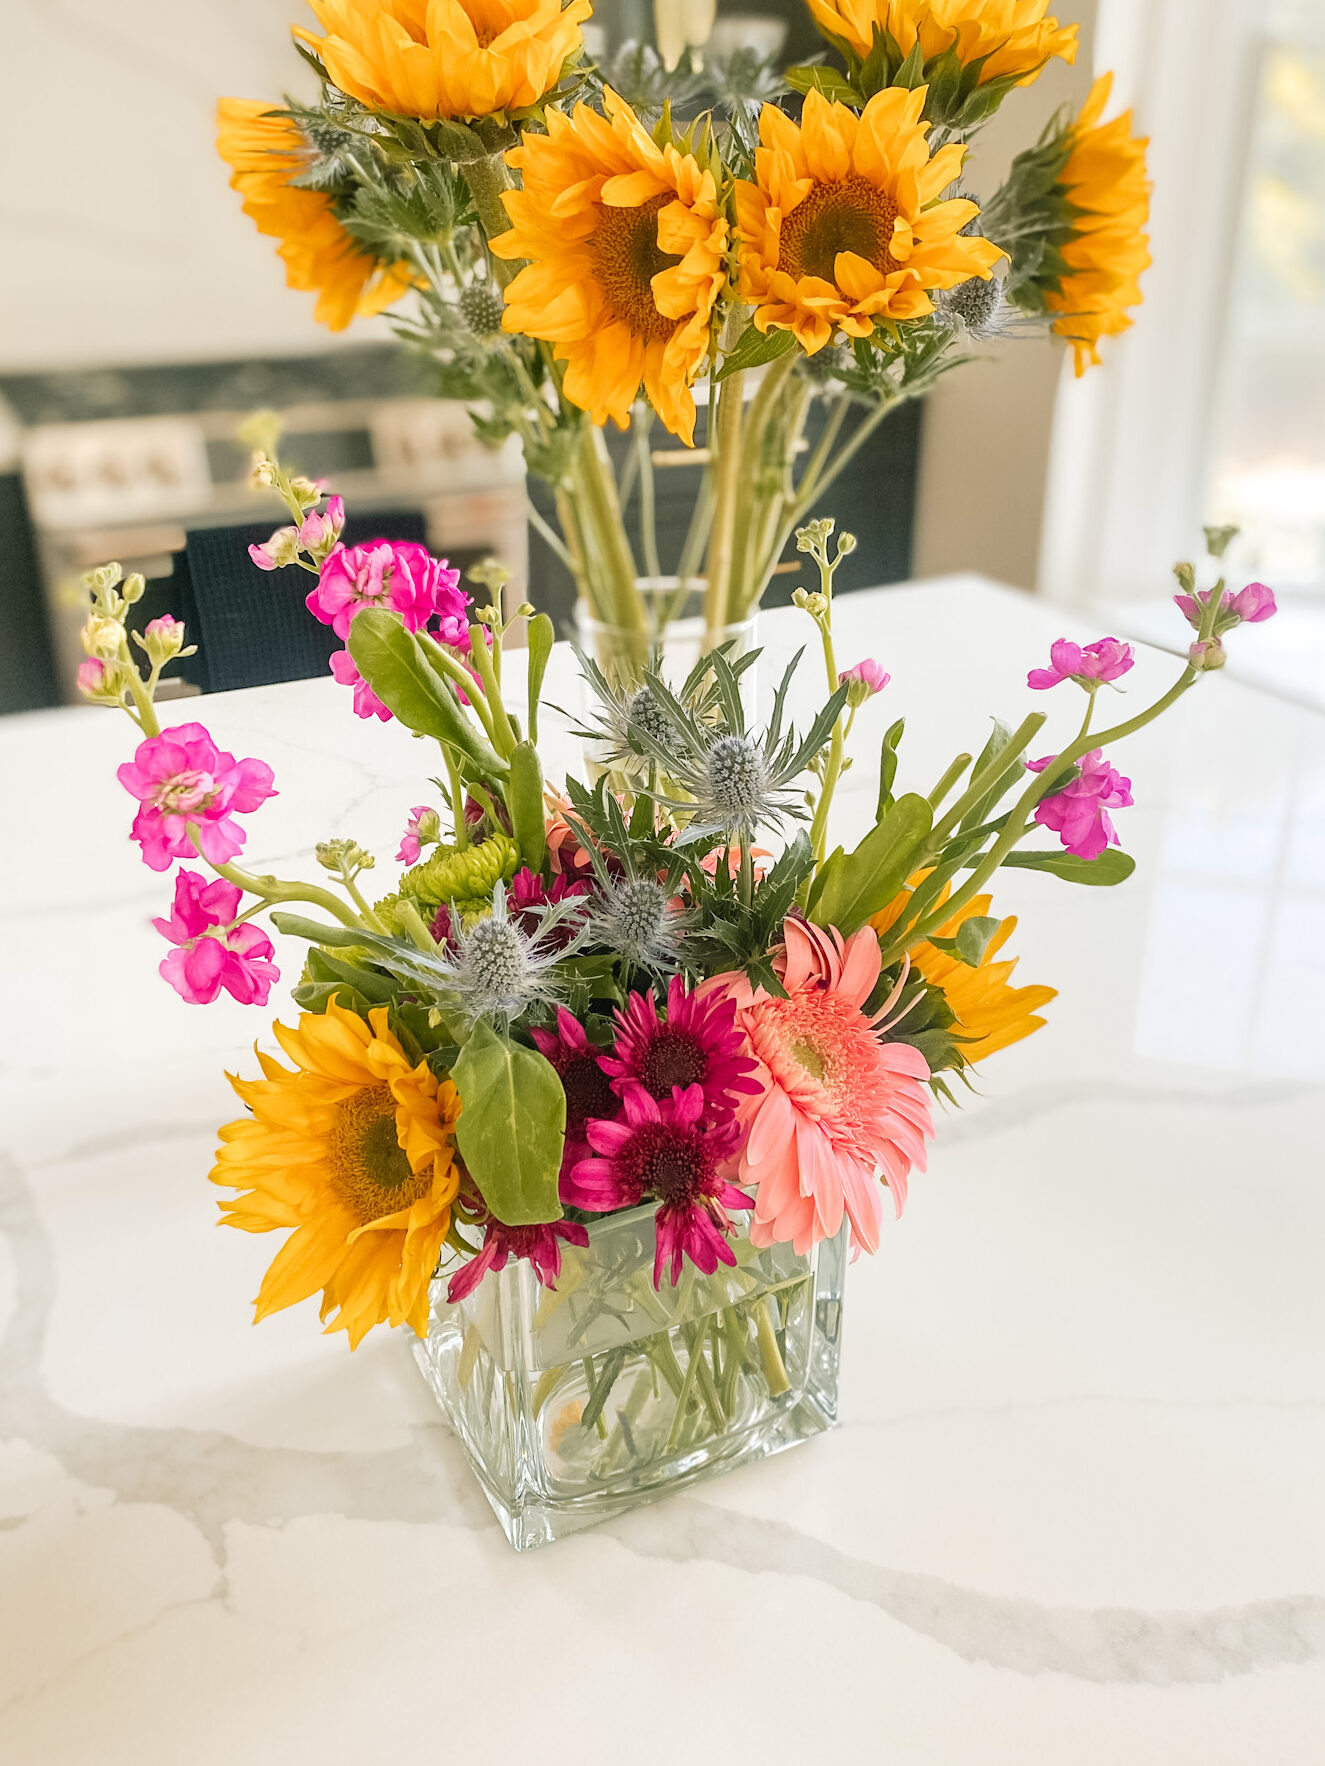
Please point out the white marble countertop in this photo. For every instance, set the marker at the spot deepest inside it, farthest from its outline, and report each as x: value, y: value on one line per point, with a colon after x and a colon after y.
x: 1073, y: 1515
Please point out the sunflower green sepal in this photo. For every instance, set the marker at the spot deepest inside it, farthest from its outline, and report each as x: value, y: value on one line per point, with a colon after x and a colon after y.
x: 512, y: 1126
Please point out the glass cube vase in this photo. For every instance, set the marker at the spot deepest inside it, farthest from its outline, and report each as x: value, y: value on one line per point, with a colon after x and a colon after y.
x: 578, y: 1403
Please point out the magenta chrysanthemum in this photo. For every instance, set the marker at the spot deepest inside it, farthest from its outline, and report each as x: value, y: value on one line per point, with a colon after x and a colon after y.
x: 588, y: 1090
x: 697, y: 1044
x: 539, y: 1245
x: 838, y: 1106
x: 665, y: 1150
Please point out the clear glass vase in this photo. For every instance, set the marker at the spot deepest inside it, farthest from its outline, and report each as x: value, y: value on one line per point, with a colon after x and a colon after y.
x: 578, y: 1403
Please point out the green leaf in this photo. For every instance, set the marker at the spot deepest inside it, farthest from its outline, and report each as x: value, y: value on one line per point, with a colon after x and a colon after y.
x: 833, y: 85
x: 912, y: 71
x: 512, y: 1126
x: 754, y: 348
x: 888, y: 766
x: 297, y: 926
x: 972, y: 941
x: 866, y: 881
x: 1110, y: 868
x: 373, y: 985
x: 395, y: 666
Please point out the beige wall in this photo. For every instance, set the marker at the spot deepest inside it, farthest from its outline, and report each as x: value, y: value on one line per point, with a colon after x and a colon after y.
x: 988, y: 427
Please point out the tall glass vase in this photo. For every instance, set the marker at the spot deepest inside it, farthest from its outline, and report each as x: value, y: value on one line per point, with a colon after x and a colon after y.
x: 578, y: 1403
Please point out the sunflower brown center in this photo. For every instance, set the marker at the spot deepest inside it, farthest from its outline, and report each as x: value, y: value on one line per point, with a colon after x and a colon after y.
x: 370, y: 1172
x: 672, y: 1059
x: 626, y: 258
x: 848, y: 214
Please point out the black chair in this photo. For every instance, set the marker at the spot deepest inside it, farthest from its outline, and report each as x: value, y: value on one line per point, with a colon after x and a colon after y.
x: 251, y: 626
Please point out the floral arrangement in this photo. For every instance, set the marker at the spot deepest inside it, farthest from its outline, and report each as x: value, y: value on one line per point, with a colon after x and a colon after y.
x: 573, y: 244
x: 575, y: 1002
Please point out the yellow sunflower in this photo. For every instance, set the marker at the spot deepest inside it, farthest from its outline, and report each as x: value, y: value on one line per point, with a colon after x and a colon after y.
x: 354, y: 1149
x: 1106, y: 186
x: 447, y: 58
x: 845, y: 224
x: 1013, y: 37
x: 265, y: 151
x: 626, y: 244
x: 987, y: 1007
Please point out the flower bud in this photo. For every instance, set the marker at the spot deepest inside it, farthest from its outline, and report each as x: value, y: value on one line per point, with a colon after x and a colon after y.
x: 1186, y: 575
x: 103, y: 638
x: 863, y: 682
x: 1219, y: 539
x: 1208, y: 656
x: 104, y: 579
x: 262, y: 478
x: 163, y: 639
x: 813, y: 537
x: 135, y: 587
x: 281, y: 549
x: 816, y: 605
x: 307, y: 490
x: 343, y: 855
x: 846, y: 544
x: 801, y: 599
x: 101, y: 682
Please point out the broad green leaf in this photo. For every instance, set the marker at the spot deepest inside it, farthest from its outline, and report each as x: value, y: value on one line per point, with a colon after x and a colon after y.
x: 373, y: 985
x: 972, y: 941
x: 868, y: 879
x: 827, y: 80
x: 512, y: 1126
x: 754, y: 348
x: 297, y: 926
x: 1104, y: 872
x: 393, y: 663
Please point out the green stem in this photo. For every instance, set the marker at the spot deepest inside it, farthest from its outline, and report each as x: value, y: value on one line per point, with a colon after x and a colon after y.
x: 722, y: 541
x: 487, y: 180
x: 271, y: 889
x: 600, y: 514
x: 443, y: 663
x: 775, y: 1369
x: 647, y: 491
x: 457, y: 796
x: 989, y: 777
x: 551, y: 538
x: 949, y: 779
x: 503, y: 736
x: 837, y: 749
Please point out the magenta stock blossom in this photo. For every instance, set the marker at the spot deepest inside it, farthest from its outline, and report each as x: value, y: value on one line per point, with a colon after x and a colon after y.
x: 698, y: 1044
x: 1107, y: 660
x: 207, y: 959
x: 317, y: 532
x: 538, y: 1245
x: 411, y: 844
x: 1078, y: 813
x: 92, y: 676
x: 397, y: 574
x: 662, y: 1148
x: 366, y: 703
x: 181, y: 777
x: 1250, y: 606
x: 869, y: 675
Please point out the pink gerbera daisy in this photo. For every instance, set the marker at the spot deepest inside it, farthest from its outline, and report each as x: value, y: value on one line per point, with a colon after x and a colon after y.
x: 698, y: 1044
x: 588, y: 1090
x: 539, y: 1245
x: 662, y: 1148
x: 838, y: 1105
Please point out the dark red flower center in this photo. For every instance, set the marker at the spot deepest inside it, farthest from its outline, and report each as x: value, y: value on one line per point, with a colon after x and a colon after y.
x: 672, y: 1163
x: 672, y: 1058
x: 588, y: 1090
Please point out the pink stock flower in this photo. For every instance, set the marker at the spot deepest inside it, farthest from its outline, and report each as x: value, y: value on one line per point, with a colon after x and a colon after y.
x: 182, y: 777
x: 1078, y: 813
x: 539, y: 1245
x: 411, y: 845
x: 662, y: 1148
x: 1250, y: 606
x: 1107, y: 660
x: 366, y: 702
x: 869, y: 674
x: 202, y: 964
x: 838, y: 1107
x: 323, y: 530
x: 167, y: 628
x: 92, y: 677
x: 698, y: 1044
x: 588, y: 1090
x: 398, y: 574
x: 280, y: 551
